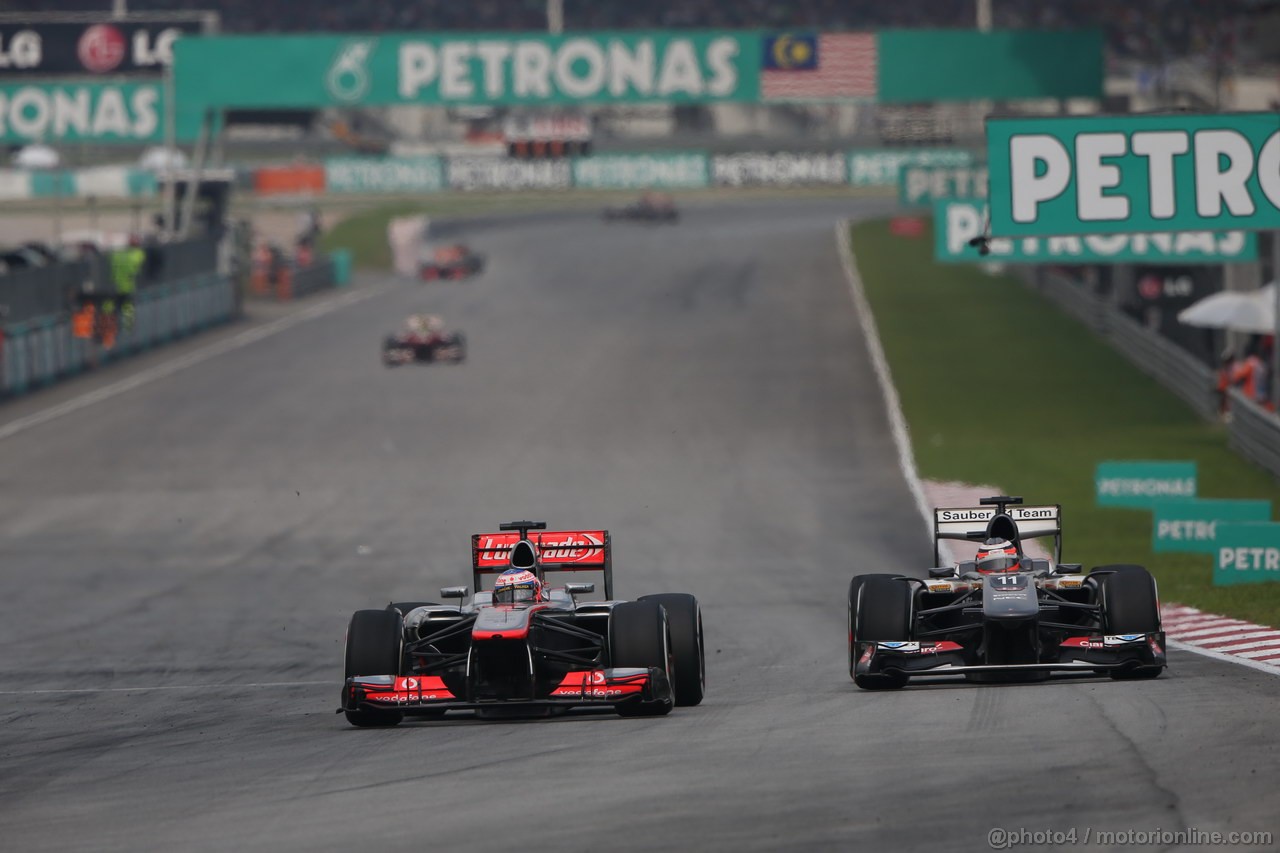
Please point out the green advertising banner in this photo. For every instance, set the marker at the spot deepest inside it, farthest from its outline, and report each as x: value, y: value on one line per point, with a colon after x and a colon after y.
x: 468, y: 68
x: 958, y: 221
x: 919, y: 66
x: 1190, y: 526
x: 924, y: 185
x: 1134, y: 173
x: 88, y: 112
x: 1246, y: 553
x: 1140, y: 483
x: 638, y: 171
x: 879, y: 167
x: 383, y: 174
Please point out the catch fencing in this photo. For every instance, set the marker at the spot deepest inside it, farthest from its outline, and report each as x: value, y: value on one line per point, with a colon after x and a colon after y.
x: 41, y: 351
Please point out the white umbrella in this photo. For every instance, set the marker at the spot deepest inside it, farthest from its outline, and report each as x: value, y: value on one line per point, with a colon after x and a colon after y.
x: 1251, y: 311
x: 36, y: 156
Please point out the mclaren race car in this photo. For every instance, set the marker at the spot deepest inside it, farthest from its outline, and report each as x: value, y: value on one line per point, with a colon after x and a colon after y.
x: 455, y: 261
x: 424, y: 338
x: 651, y: 207
x: 532, y: 656
x: 1021, y: 622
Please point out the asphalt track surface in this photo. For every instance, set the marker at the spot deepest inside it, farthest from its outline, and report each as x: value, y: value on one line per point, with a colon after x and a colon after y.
x: 179, y: 561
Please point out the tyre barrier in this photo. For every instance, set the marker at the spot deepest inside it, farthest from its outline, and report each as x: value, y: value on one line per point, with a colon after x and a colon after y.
x: 39, y: 352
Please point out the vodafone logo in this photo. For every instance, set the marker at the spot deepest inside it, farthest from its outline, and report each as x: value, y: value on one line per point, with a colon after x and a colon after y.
x: 101, y: 48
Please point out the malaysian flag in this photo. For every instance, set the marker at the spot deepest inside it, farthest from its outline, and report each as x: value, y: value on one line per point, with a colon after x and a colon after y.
x: 829, y: 65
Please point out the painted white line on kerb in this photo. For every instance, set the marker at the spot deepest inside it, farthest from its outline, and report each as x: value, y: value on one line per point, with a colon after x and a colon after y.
x: 898, y: 424
x: 892, y: 405
x: 153, y: 688
x: 172, y: 366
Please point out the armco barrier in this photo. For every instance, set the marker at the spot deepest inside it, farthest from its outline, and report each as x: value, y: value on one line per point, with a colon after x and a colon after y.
x: 1254, y: 433
x: 42, y: 351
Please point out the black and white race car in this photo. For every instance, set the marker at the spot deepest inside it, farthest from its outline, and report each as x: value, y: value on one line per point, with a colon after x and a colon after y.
x: 1020, y: 623
x: 530, y: 657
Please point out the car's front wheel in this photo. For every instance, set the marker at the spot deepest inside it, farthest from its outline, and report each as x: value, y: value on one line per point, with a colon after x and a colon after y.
x: 639, y: 637
x: 684, y: 619
x: 1130, y: 605
x: 374, y: 643
x: 882, y: 615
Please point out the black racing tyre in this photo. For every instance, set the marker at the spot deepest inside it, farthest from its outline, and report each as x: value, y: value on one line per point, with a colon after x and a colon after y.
x: 854, y: 585
x: 639, y: 637
x: 684, y: 620
x: 882, y: 613
x: 459, y: 348
x: 374, y: 641
x: 1130, y: 605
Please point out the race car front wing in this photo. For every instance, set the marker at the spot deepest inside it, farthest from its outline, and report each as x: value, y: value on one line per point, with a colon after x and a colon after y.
x: 429, y: 695
x: 1093, y: 653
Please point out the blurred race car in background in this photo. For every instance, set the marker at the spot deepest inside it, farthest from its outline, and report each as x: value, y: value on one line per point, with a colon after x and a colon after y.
x: 454, y: 261
x: 546, y: 652
x: 651, y: 207
x: 424, y: 338
x: 1005, y: 616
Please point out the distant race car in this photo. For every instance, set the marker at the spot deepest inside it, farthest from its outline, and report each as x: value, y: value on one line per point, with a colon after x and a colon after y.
x: 424, y: 339
x: 1020, y: 622
x: 455, y: 261
x: 651, y: 207
x: 503, y: 657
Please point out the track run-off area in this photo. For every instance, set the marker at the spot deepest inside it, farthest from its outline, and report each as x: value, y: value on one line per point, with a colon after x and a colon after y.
x: 180, y: 555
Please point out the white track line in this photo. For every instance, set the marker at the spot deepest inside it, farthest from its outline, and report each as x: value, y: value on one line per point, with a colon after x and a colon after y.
x: 892, y: 405
x: 254, y: 684
x: 898, y: 424
x: 172, y: 366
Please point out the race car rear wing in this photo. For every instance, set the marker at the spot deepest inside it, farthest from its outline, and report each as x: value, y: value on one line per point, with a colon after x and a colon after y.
x: 556, y: 551
x: 973, y: 523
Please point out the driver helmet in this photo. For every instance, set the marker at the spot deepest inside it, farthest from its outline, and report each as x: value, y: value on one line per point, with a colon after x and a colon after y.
x: 515, y: 585
x: 997, y: 555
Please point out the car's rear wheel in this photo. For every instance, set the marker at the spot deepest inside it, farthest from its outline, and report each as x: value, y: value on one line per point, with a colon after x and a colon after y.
x: 1130, y: 605
x: 684, y: 620
x: 639, y: 637
x: 374, y: 642
x: 882, y: 615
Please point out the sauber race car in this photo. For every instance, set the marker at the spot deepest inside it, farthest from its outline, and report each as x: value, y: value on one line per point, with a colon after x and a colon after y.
x: 423, y: 340
x: 540, y: 653
x: 1006, y: 617
x: 454, y: 261
x: 651, y: 207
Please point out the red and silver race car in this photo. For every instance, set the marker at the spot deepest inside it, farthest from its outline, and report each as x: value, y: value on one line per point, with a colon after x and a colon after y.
x: 531, y: 657
x: 454, y: 261
x: 424, y: 339
x: 1005, y: 616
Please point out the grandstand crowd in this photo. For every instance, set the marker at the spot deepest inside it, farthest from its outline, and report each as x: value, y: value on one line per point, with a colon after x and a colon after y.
x: 1144, y: 30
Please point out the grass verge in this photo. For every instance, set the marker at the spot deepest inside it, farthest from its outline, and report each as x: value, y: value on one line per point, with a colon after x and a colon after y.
x: 999, y: 386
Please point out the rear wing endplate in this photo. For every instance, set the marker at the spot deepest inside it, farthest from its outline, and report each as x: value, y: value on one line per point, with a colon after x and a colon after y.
x: 557, y: 551
x: 970, y: 524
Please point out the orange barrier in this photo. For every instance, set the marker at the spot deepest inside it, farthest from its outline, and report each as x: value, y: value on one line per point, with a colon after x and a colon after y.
x: 289, y: 179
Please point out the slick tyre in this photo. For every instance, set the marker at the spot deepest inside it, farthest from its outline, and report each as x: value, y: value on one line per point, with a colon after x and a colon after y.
x: 855, y: 584
x: 883, y: 614
x: 374, y: 642
x: 639, y: 637
x: 1130, y: 605
x: 684, y: 620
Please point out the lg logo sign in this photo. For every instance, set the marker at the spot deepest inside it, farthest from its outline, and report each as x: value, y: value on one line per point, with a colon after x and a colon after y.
x: 103, y: 48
